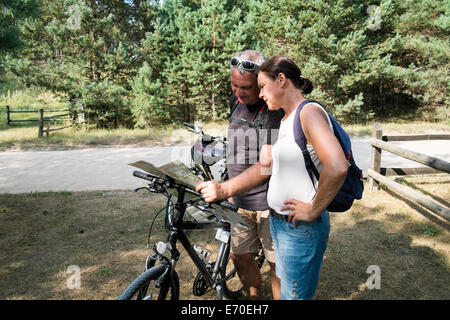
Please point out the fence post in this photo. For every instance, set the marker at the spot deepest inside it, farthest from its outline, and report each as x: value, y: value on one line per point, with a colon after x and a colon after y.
x: 41, y: 123
x: 376, y: 156
x: 8, y: 119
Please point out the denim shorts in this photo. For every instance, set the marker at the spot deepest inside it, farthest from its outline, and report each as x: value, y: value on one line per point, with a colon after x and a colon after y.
x: 299, y: 253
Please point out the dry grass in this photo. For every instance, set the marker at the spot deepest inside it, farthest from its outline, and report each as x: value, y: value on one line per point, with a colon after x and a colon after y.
x: 74, y: 138
x: 410, y: 245
x: 401, y: 127
x: 105, y: 233
x: 23, y: 136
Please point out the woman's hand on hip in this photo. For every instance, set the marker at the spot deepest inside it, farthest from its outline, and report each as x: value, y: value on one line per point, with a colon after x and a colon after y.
x: 299, y: 211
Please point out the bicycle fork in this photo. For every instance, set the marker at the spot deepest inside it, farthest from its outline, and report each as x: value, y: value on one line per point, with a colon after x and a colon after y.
x: 219, y: 262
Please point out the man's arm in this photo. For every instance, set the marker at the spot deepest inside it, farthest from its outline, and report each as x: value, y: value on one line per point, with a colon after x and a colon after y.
x: 249, y: 179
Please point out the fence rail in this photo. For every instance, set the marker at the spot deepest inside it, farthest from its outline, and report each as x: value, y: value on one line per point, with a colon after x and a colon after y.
x: 417, y: 137
x: 377, y: 175
x: 433, y: 162
x: 41, y: 119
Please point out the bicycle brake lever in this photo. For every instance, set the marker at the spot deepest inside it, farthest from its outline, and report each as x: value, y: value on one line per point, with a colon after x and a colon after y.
x: 136, y: 190
x: 149, y: 190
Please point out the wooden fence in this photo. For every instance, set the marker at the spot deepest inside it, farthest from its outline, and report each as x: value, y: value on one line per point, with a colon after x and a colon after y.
x: 377, y: 174
x: 41, y: 119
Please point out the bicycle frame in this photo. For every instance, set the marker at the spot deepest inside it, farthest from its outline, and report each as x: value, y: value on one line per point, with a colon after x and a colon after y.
x: 177, y: 229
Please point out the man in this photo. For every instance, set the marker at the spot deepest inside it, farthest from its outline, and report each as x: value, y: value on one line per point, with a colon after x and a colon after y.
x: 251, y: 126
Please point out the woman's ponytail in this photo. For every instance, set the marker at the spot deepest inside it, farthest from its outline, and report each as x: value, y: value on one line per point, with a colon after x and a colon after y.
x: 307, y: 86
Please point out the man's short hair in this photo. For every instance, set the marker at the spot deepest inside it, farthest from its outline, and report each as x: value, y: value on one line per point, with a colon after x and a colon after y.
x: 251, y: 55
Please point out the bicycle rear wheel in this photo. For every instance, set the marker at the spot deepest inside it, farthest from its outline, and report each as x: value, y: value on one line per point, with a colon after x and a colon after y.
x: 146, y: 286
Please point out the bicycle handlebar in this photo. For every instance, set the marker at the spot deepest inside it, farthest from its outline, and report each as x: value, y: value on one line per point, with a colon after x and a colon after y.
x: 189, y: 125
x: 155, y: 179
x: 145, y: 176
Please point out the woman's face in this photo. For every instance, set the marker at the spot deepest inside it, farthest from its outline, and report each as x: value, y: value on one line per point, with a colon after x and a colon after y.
x: 270, y: 91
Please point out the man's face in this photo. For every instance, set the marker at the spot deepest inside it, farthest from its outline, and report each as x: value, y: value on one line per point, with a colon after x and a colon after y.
x: 245, y: 87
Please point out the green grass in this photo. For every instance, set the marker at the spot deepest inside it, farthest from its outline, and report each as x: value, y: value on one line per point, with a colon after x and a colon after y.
x: 28, y: 99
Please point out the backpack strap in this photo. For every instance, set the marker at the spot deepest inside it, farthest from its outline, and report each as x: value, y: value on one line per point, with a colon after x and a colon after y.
x: 300, y: 139
x: 260, y: 117
x: 259, y: 121
x: 234, y: 101
x: 233, y: 105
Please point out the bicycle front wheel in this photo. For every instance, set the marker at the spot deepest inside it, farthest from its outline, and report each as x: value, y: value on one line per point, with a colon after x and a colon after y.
x: 146, y: 286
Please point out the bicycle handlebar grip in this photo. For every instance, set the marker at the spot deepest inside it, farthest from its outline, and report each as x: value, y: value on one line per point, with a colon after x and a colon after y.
x: 189, y: 125
x: 142, y: 175
x: 228, y: 205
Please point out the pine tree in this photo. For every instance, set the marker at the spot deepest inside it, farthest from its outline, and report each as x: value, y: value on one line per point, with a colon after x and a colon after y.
x: 144, y: 62
x: 359, y: 56
x: 85, y: 49
x: 148, y: 104
x: 203, y: 37
x: 12, y: 14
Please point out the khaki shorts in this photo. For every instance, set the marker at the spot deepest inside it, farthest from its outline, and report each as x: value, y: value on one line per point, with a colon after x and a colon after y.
x: 248, y: 241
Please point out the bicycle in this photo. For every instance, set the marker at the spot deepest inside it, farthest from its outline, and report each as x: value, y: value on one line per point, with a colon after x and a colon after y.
x: 163, y: 278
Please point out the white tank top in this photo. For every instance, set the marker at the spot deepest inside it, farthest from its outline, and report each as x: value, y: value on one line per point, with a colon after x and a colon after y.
x: 289, y: 179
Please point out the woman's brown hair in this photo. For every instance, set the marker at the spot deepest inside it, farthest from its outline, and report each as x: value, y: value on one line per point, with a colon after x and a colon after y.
x: 281, y: 64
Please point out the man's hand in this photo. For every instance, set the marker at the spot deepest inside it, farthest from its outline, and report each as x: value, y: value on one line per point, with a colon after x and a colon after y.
x: 212, y: 191
x: 247, y: 180
x: 300, y: 211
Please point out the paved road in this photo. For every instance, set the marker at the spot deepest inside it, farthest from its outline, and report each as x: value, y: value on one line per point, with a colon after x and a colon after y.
x: 108, y: 169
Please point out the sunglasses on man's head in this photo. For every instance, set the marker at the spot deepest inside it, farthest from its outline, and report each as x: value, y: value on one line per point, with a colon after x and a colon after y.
x: 246, y: 65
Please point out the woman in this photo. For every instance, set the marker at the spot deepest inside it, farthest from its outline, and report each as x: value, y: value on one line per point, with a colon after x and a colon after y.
x: 299, y: 220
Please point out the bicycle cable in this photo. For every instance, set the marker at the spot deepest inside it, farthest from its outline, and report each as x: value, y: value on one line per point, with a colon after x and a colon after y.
x: 151, y: 226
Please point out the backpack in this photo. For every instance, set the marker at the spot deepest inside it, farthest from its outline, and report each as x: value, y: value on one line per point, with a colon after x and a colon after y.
x: 353, y: 186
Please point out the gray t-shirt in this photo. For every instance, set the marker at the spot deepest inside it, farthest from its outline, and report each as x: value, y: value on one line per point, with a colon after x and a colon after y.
x: 244, y: 146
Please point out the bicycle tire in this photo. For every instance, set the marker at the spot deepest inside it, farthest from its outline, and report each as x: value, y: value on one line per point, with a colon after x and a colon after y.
x: 138, y: 288
x: 228, y: 292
